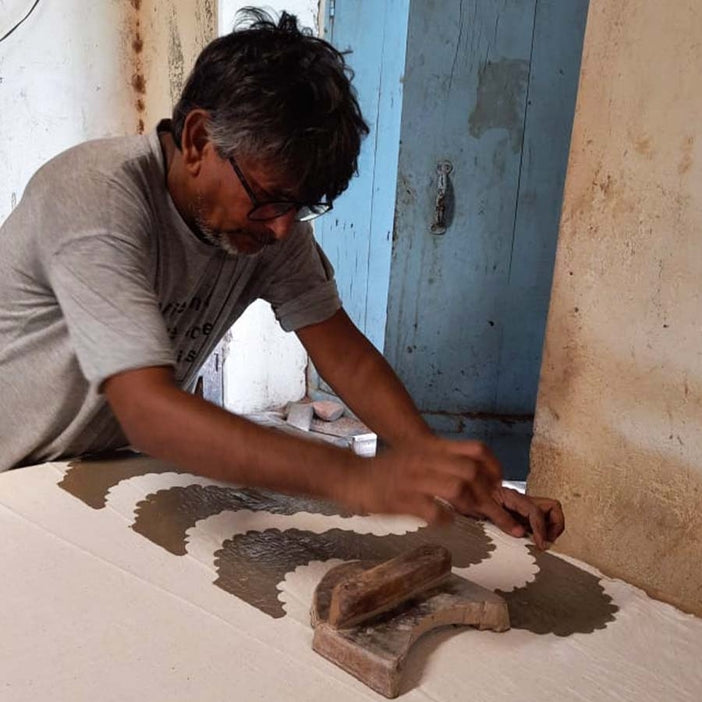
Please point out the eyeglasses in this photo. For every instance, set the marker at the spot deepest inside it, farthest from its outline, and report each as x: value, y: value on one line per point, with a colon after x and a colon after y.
x: 262, y: 211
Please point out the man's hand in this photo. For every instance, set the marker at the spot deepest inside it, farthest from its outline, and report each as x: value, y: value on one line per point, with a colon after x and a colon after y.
x: 427, y: 477
x: 541, y: 516
x: 421, y: 467
x: 441, y: 476
x: 430, y: 481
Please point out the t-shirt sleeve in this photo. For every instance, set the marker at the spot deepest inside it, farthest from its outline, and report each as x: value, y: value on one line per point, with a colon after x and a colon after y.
x: 300, y: 284
x: 112, y: 312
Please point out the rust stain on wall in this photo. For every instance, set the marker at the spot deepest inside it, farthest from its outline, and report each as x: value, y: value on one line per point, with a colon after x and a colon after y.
x: 138, y: 81
x: 138, y: 44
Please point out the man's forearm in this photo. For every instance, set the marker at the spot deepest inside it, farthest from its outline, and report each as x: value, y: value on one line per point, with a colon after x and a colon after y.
x: 376, y: 395
x: 195, y: 435
x: 168, y: 423
x: 360, y: 375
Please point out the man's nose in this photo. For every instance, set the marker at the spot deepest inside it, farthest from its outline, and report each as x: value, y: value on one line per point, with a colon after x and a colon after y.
x: 282, y: 226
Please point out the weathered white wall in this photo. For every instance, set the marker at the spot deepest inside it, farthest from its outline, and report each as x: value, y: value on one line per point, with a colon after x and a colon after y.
x: 307, y: 11
x: 618, y: 428
x: 264, y: 367
x: 79, y: 70
x: 60, y: 84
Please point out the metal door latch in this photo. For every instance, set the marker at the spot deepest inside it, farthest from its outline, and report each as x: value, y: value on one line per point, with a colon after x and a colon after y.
x: 443, y: 168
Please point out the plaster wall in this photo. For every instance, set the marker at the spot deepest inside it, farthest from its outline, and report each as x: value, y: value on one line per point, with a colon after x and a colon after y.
x: 264, y: 367
x: 617, y: 433
x: 59, y: 84
x: 76, y: 71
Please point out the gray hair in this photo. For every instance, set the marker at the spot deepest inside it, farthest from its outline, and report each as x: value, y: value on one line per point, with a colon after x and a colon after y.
x: 275, y: 92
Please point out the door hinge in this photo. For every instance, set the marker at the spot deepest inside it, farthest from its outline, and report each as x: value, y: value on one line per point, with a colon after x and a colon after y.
x: 332, y: 8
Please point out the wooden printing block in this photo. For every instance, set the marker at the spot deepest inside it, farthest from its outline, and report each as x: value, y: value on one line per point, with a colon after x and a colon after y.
x: 366, y: 620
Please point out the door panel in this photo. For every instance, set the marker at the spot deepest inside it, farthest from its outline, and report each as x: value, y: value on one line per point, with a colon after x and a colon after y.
x: 466, y: 82
x: 356, y: 234
x: 489, y: 86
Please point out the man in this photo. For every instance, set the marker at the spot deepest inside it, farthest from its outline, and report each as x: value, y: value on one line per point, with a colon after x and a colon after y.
x: 127, y: 260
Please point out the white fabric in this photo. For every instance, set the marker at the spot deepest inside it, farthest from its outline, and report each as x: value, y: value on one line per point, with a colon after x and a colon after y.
x: 92, y: 610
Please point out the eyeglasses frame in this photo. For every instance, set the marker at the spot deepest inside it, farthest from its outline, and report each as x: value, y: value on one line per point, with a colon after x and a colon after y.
x: 292, y: 204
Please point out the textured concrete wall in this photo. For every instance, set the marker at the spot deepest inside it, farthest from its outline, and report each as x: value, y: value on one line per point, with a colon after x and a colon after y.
x: 618, y: 429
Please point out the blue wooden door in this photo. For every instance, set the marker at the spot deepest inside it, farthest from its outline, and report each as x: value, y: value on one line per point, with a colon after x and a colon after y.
x: 357, y: 235
x: 489, y: 88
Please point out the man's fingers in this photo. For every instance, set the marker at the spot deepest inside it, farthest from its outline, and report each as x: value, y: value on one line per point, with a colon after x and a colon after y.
x: 544, y: 515
x: 554, y: 516
x: 480, y: 453
x: 466, y: 496
x: 501, y: 518
x: 528, y: 509
x: 427, y: 508
x: 472, y: 497
x: 462, y: 475
x: 537, y: 522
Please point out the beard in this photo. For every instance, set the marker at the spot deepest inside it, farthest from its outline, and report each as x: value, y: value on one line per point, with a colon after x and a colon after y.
x: 216, y: 237
x: 224, y: 240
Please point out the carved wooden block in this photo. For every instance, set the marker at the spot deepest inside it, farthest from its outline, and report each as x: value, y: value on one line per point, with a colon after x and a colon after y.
x: 375, y: 650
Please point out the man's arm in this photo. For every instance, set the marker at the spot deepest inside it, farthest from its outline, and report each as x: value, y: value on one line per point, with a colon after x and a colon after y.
x: 168, y: 423
x: 360, y: 375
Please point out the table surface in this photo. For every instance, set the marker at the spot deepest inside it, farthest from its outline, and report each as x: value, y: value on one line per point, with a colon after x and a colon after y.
x: 124, y: 579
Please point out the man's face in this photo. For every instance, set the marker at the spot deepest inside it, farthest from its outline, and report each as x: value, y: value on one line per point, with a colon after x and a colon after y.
x: 221, y: 204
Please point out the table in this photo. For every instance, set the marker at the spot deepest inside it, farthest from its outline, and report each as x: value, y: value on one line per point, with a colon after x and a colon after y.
x: 124, y: 579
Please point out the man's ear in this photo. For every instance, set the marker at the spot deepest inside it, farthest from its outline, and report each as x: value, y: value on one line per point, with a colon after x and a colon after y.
x: 194, y: 140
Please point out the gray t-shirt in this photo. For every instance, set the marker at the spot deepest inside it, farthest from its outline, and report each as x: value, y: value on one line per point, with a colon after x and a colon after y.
x: 100, y: 274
